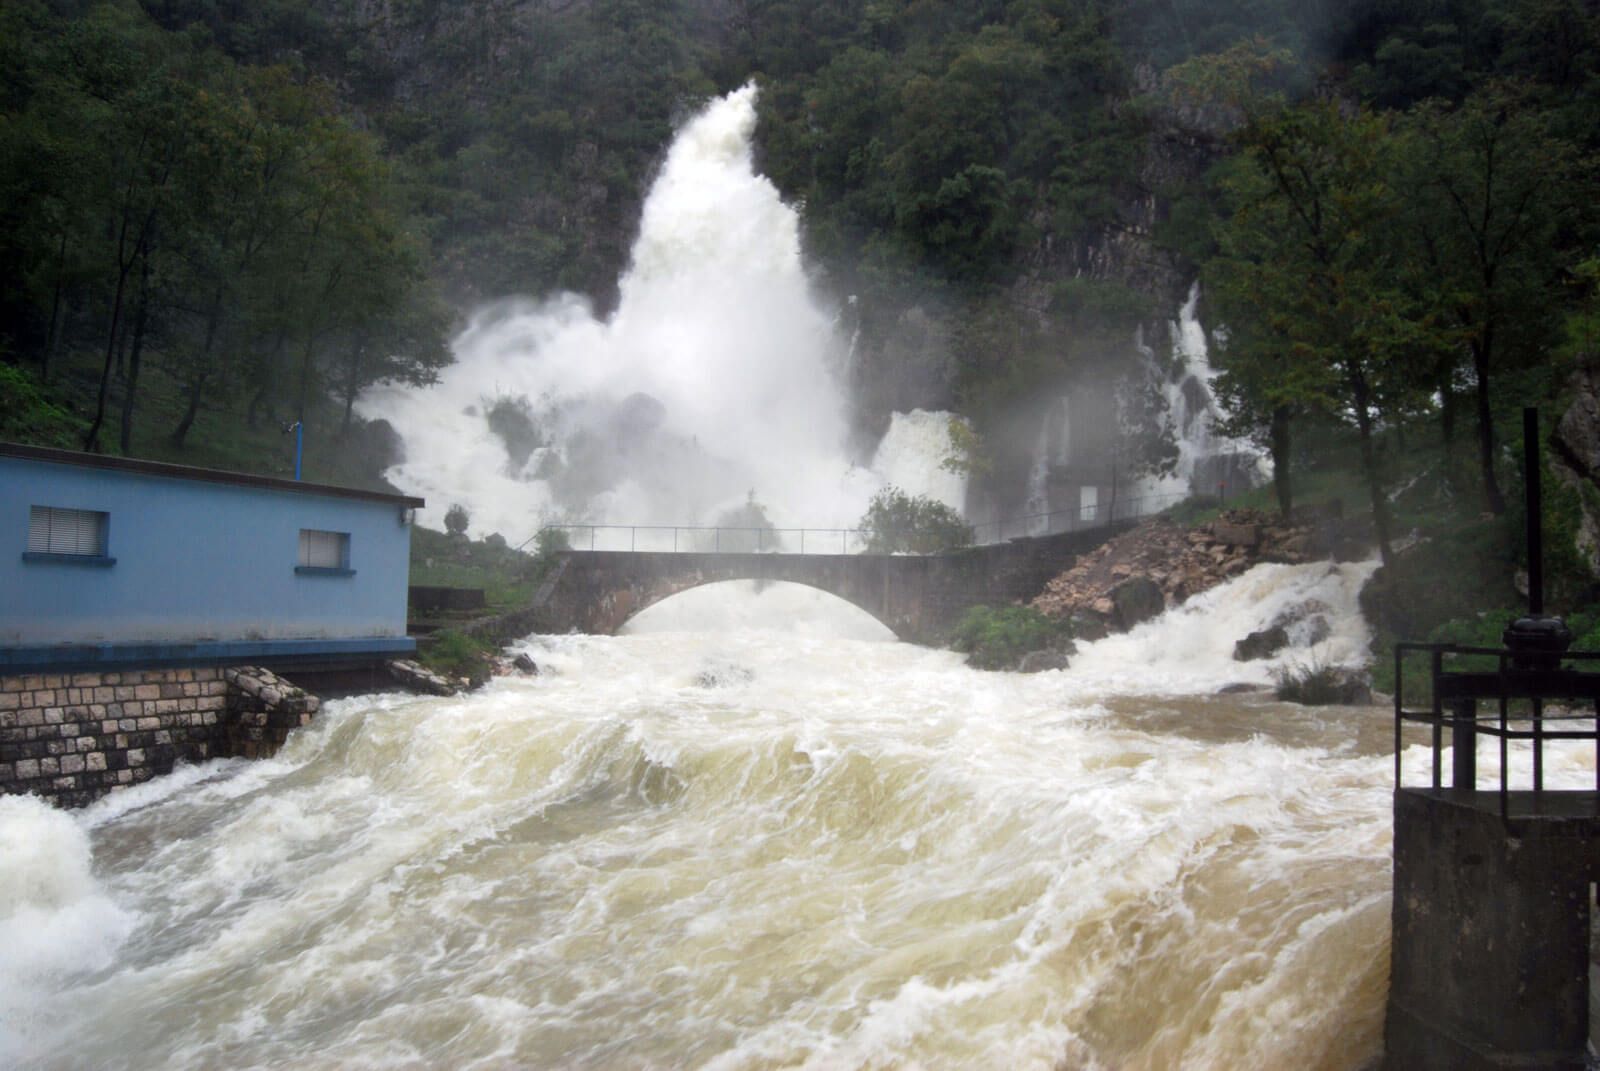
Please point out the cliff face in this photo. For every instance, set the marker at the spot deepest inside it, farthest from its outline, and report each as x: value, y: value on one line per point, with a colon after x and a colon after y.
x: 1575, y: 461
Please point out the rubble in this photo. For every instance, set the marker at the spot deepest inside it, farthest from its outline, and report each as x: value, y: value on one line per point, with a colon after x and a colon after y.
x: 1179, y: 561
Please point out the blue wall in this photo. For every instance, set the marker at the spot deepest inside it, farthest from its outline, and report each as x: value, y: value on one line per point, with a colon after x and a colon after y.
x: 196, y: 562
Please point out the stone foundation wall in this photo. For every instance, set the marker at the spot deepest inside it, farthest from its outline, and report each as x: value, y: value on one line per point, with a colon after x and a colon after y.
x: 73, y: 738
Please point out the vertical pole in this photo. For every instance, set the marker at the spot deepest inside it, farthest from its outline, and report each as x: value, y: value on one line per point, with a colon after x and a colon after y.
x: 299, y: 441
x: 674, y: 539
x: 1530, y: 450
x: 802, y: 541
x: 1464, y: 744
x: 591, y: 536
x: 633, y: 538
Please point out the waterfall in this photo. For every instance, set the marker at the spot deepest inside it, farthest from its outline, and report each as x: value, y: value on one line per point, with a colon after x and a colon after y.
x: 719, y: 374
x: 1208, y: 461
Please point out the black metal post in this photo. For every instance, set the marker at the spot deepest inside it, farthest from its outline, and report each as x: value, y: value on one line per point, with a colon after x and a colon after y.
x: 1464, y: 746
x: 1530, y: 449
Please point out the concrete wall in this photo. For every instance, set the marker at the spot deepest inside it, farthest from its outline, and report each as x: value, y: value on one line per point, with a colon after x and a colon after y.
x: 1490, y: 957
x: 195, y: 561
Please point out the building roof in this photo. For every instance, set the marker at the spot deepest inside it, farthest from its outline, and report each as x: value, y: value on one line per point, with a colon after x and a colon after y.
x: 53, y: 456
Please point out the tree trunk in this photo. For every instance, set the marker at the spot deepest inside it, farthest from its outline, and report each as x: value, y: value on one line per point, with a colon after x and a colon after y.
x: 130, y: 387
x: 1381, y: 521
x: 53, y: 336
x: 1280, y: 460
x: 197, y: 387
x: 1493, y: 499
x: 91, y: 439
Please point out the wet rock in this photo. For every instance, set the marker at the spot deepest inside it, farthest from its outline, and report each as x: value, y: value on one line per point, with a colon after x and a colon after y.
x: 525, y: 664
x: 1239, y: 688
x: 1088, y: 626
x: 1040, y: 661
x: 418, y: 678
x: 1136, y: 600
x: 1263, y: 644
x: 723, y: 675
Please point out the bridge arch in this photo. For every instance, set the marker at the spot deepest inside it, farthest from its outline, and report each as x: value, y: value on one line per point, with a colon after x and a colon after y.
x: 780, y: 605
x: 918, y: 598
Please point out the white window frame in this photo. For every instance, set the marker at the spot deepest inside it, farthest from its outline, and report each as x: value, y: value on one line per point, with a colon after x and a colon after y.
x: 72, y: 536
x: 324, y: 553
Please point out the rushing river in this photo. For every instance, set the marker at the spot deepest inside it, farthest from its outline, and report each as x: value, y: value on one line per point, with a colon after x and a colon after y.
x: 734, y: 847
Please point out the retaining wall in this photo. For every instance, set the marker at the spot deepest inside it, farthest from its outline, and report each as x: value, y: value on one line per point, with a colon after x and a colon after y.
x: 73, y: 738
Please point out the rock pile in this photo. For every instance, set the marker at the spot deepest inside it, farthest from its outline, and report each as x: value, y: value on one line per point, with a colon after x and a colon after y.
x: 1160, y: 564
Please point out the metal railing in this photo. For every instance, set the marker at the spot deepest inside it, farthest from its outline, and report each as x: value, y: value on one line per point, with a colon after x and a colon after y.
x: 722, y: 539
x: 1519, y: 693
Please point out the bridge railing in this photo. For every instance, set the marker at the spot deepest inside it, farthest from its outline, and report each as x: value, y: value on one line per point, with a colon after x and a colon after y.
x: 723, y: 539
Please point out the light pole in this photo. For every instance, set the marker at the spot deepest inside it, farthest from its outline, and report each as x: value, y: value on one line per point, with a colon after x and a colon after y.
x: 299, y: 433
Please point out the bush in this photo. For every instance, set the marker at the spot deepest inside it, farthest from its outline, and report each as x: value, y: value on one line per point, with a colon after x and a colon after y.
x: 1319, y: 685
x: 996, y: 637
x: 456, y: 654
x: 896, y: 522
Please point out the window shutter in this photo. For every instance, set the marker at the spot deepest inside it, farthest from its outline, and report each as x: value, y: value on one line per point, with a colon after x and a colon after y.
x: 323, y: 550
x: 39, y: 529
x: 79, y: 532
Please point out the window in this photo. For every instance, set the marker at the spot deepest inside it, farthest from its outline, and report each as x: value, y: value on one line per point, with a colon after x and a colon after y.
x: 324, y: 553
x: 67, y: 535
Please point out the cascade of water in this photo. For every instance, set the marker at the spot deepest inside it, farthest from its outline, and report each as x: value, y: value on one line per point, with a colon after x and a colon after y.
x: 1207, y: 460
x: 719, y: 374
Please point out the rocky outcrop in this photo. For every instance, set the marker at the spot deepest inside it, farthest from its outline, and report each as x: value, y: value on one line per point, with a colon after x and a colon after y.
x: 418, y: 678
x: 1160, y: 564
x: 1575, y: 461
x: 1263, y: 644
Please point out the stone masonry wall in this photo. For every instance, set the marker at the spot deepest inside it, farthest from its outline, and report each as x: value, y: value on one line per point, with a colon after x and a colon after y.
x: 73, y: 738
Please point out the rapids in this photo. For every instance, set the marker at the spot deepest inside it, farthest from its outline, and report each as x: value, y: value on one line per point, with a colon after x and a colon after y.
x: 739, y: 849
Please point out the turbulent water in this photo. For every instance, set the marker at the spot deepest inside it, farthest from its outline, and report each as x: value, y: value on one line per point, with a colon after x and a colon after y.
x: 710, y: 844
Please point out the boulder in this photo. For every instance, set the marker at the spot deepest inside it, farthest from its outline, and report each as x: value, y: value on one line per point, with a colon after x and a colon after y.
x: 1088, y: 626
x: 1236, y: 535
x: 1040, y: 661
x: 526, y: 664
x: 1136, y: 600
x: 1262, y: 644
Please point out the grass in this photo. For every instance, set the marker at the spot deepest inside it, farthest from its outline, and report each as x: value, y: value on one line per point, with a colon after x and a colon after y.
x: 997, y: 637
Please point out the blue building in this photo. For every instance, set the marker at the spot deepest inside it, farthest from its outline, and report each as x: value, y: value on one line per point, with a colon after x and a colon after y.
x: 109, y: 562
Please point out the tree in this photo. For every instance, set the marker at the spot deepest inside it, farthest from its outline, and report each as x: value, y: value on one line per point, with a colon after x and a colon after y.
x: 456, y: 520
x: 1308, y: 281
x: 1493, y: 196
x: 897, y: 523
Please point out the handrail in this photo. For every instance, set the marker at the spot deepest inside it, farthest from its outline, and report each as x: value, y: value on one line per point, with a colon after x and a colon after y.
x: 722, y: 539
x: 1456, y: 694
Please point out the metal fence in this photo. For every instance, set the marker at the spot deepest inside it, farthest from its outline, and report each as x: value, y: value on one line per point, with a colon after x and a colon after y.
x: 1530, y: 704
x: 712, y: 539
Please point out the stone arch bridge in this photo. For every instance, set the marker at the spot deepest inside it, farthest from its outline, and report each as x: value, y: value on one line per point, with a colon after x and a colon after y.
x: 920, y: 598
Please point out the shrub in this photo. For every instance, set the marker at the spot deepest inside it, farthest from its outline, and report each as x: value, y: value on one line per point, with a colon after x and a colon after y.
x: 996, y: 637
x: 456, y: 654
x: 1318, y: 684
x: 896, y: 522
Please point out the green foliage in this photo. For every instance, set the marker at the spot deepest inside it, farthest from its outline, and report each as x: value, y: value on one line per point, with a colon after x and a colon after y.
x: 996, y: 637
x: 897, y: 523
x: 456, y: 520
x: 1318, y: 684
x: 453, y: 653
x: 28, y: 415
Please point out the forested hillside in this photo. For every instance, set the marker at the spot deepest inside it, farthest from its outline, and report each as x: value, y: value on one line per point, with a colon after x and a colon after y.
x: 228, y: 216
